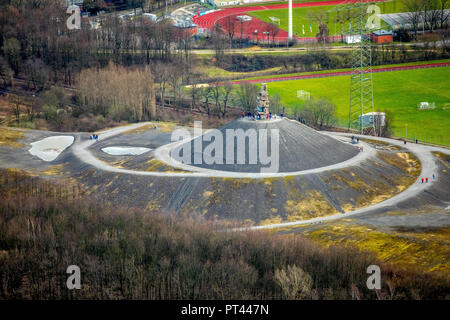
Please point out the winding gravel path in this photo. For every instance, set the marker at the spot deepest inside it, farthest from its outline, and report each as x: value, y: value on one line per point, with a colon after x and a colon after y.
x: 422, y: 152
x: 81, y: 150
x: 429, y: 167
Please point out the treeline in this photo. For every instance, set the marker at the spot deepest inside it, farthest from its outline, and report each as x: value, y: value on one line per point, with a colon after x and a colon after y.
x: 34, y: 39
x: 127, y: 253
x: 326, y: 60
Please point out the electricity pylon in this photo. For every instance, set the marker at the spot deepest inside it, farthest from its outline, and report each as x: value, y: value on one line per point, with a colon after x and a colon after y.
x: 361, y: 85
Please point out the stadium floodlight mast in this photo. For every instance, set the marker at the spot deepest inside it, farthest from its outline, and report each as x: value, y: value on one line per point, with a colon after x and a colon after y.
x: 361, y: 84
x: 290, y: 21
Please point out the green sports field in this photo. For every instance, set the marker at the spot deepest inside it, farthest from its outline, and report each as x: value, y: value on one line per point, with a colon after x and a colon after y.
x: 305, y: 17
x: 399, y: 92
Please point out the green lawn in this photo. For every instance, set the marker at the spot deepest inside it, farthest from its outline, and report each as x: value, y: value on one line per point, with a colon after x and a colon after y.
x: 305, y: 16
x: 399, y: 92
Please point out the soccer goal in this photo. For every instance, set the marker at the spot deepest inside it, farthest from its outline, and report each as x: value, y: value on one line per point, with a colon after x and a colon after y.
x: 275, y: 20
x: 303, y: 95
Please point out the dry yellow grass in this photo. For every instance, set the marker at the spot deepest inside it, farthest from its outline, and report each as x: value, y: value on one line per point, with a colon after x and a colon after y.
x: 404, y: 161
x: 428, y: 250
x: 54, y: 170
x: 166, y: 126
x: 141, y: 129
x: 271, y: 220
x: 159, y: 166
x: 10, y: 137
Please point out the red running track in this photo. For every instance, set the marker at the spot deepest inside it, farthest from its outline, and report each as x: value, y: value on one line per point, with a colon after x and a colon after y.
x: 345, y: 73
x: 207, y: 21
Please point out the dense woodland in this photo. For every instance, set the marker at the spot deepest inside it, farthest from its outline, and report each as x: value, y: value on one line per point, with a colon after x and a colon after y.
x: 127, y: 253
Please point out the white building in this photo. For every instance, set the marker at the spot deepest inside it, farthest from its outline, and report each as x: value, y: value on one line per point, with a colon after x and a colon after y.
x: 369, y: 118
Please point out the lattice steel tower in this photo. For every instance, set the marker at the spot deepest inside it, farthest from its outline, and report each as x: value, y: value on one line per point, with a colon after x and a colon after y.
x: 361, y: 85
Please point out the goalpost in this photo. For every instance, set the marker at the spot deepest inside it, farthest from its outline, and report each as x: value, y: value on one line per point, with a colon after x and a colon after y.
x: 303, y: 95
x: 275, y: 20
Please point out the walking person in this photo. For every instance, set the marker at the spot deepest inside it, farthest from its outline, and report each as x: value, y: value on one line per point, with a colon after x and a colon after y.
x: 422, y: 180
x: 426, y: 180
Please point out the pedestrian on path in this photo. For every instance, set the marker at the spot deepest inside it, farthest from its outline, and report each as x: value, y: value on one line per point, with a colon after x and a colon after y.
x: 426, y: 180
x: 422, y: 180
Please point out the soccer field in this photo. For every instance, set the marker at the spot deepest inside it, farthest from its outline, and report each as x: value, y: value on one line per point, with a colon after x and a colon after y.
x: 399, y: 92
x: 304, y: 17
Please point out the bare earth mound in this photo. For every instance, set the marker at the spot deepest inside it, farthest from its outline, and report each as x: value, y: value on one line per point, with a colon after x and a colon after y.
x: 300, y: 147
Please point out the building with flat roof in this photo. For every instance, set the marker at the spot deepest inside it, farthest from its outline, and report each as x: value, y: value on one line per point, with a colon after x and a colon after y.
x: 382, y: 36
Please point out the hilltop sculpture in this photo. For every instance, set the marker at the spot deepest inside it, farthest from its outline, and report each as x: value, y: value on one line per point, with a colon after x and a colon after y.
x: 262, y: 102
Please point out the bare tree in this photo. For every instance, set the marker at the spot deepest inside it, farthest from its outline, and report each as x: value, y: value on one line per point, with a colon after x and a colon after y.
x: 6, y: 72
x: 230, y: 28
x: 241, y: 31
x: 175, y: 77
x: 431, y: 13
x: 221, y: 94
x: 218, y: 43
x: 275, y: 104
x: 194, y: 89
x: 322, y: 36
x: 443, y: 14
x: 32, y: 106
x: 273, y: 31
x: 294, y: 282
x: 206, y: 95
x: 318, y: 112
x: 414, y: 14
x: 162, y: 73
x: 15, y: 102
x: 247, y: 94
x: 38, y: 73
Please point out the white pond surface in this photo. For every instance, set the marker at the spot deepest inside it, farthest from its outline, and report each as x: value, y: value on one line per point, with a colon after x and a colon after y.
x: 50, y: 148
x: 125, y: 151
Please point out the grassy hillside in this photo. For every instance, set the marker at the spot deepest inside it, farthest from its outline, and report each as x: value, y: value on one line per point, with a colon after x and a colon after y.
x: 399, y: 92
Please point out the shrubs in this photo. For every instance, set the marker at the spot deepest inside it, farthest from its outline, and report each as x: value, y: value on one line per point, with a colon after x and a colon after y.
x: 118, y: 92
x: 318, y: 113
x: 294, y: 282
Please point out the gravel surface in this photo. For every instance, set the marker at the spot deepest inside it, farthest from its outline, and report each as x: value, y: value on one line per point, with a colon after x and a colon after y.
x: 300, y: 147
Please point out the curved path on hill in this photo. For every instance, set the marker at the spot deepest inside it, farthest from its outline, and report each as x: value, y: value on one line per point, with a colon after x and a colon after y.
x: 81, y: 150
x: 344, y: 73
x: 429, y: 167
x: 422, y: 152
